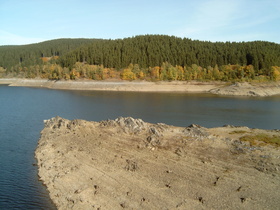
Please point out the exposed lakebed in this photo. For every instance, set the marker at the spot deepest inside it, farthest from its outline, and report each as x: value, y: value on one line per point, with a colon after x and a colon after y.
x: 22, y: 111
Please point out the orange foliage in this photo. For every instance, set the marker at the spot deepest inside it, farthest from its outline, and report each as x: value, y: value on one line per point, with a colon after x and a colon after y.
x: 45, y: 59
x: 155, y: 72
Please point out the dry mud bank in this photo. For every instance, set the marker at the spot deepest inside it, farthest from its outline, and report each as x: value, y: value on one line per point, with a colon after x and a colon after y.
x: 219, y: 88
x: 247, y: 89
x: 130, y: 164
x: 135, y: 86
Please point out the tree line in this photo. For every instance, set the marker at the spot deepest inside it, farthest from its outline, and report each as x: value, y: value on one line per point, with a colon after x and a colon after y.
x: 149, y: 57
x: 165, y: 72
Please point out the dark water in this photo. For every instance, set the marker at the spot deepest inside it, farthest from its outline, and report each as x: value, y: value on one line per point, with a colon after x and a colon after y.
x: 22, y: 111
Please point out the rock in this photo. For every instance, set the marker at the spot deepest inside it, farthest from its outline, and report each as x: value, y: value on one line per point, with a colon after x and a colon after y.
x: 229, y: 126
x: 247, y: 89
x: 196, y: 131
x: 60, y: 123
x: 153, y: 141
x: 56, y: 122
x: 131, y: 165
x: 154, y: 131
x: 253, y: 93
x: 194, y: 126
x: 242, y: 84
x: 128, y: 124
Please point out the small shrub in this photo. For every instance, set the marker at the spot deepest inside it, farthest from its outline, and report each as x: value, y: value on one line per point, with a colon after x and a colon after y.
x: 238, y: 132
x: 268, y: 139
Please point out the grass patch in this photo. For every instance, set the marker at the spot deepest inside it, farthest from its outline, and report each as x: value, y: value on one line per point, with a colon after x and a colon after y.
x: 238, y: 132
x: 262, y: 138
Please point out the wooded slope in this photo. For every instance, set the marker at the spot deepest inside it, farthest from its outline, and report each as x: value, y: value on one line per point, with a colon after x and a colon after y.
x: 153, y: 50
x: 150, y: 57
x: 32, y: 54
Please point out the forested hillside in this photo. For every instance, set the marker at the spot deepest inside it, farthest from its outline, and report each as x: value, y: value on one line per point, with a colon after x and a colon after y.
x: 150, y: 57
x: 153, y: 50
x: 27, y: 55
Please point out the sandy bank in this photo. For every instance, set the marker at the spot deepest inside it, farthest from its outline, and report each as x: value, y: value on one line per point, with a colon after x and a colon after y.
x: 248, y: 89
x: 219, y: 88
x: 135, y: 86
x: 127, y: 163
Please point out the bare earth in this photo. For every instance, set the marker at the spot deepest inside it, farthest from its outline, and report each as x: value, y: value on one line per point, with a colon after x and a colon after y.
x: 130, y: 164
x: 219, y: 88
x: 247, y: 89
x: 115, y: 85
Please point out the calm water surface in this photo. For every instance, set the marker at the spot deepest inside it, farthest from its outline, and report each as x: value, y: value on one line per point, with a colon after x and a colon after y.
x: 22, y: 111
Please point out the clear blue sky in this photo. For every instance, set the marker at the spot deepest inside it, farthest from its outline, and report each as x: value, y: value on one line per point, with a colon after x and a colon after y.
x: 31, y: 21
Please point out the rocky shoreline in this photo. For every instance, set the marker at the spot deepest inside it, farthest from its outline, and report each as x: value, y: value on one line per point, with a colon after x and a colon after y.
x: 247, y: 89
x: 128, y: 163
x: 218, y: 88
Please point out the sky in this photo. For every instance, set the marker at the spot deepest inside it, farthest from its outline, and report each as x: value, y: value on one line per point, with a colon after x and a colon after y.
x: 33, y: 21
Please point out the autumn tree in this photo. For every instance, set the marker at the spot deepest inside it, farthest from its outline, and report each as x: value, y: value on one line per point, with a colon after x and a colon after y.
x: 127, y: 74
x: 275, y: 73
x: 154, y: 72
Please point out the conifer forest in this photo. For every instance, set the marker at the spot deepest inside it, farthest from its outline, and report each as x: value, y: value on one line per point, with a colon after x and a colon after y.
x: 145, y: 57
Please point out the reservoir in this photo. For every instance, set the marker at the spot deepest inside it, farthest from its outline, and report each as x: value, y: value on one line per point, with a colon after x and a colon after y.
x: 22, y: 111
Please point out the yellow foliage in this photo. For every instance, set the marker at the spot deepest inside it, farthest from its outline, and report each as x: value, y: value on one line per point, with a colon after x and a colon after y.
x: 180, y: 72
x: 141, y: 75
x: 155, y: 72
x: 2, y: 69
x: 128, y: 75
x: 276, y: 73
x: 74, y: 74
x: 164, y: 72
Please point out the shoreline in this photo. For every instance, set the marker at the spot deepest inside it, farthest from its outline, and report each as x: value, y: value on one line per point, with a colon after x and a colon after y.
x: 213, y: 87
x: 119, y: 85
x: 128, y: 163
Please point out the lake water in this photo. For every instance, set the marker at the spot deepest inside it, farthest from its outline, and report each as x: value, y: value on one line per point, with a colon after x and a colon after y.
x: 22, y: 111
